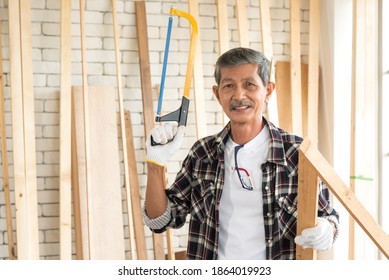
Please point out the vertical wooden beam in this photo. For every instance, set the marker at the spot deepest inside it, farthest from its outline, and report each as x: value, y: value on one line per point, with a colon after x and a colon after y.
x: 148, y: 112
x: 76, y: 187
x: 222, y: 19
x: 23, y: 126
x: 86, y: 124
x: 308, y: 200
x: 198, y: 79
x: 65, y: 134
x: 242, y: 23
x: 80, y: 195
x: 295, y: 62
x: 363, y: 135
x: 284, y: 94
x: 4, y: 160
x: 135, y: 195
x: 267, y: 46
x: 130, y: 215
x: 313, y: 72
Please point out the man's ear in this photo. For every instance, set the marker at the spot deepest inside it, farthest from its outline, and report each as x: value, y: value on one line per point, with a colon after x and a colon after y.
x: 216, y: 92
x: 269, y: 90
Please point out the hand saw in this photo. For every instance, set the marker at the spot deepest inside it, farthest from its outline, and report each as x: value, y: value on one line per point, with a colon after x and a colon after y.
x: 181, y: 114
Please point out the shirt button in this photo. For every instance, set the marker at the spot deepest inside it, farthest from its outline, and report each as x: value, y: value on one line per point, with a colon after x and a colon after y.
x: 267, y: 188
x: 268, y: 214
x: 269, y: 240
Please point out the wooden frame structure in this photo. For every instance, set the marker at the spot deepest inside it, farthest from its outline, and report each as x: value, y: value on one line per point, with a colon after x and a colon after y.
x: 312, y: 165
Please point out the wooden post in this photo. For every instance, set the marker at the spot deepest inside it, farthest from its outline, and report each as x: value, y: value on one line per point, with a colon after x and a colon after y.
x: 23, y: 126
x: 267, y: 46
x: 148, y: 112
x: 295, y: 62
x: 134, y: 189
x: 313, y: 72
x: 4, y: 160
x: 130, y: 215
x: 76, y: 189
x: 86, y: 150
x: 222, y: 18
x: 308, y: 199
x: 65, y: 134
x: 363, y: 132
x: 284, y: 95
x: 242, y: 23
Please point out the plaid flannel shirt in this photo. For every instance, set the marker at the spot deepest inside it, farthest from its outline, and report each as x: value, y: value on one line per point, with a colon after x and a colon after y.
x: 198, y: 188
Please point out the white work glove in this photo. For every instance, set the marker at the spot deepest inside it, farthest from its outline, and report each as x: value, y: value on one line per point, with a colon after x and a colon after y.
x: 319, y: 237
x: 160, y: 154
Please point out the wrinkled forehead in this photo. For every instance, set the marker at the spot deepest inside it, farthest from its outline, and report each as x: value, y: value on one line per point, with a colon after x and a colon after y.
x: 243, y: 72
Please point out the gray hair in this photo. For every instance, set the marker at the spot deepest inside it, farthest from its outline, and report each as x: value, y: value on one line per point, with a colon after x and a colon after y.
x: 240, y: 56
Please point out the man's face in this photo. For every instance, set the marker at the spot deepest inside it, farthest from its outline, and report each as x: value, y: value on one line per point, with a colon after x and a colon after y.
x: 242, y: 94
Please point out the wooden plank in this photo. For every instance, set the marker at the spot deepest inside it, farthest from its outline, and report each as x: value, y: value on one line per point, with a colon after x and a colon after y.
x: 148, y: 112
x: 222, y: 19
x: 284, y: 95
x: 243, y: 29
x: 267, y: 49
x: 76, y: 188
x: 347, y: 198
x: 313, y: 72
x: 86, y: 150
x: 130, y: 216
x: 23, y: 128
x: 363, y: 129
x: 65, y: 134
x: 105, y: 218
x: 135, y: 194
x: 79, y: 177
x: 4, y: 160
x: 307, y: 202
x: 295, y: 70
x: 199, y: 97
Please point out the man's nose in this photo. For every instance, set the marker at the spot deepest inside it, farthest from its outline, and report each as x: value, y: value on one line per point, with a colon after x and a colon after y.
x: 239, y: 93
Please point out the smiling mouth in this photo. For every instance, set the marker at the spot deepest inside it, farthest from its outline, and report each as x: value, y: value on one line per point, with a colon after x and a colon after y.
x: 239, y: 106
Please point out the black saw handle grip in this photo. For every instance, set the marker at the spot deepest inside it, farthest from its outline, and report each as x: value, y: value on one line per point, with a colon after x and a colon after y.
x: 180, y: 116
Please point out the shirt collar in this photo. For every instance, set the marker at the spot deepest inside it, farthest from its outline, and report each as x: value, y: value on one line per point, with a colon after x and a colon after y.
x: 276, y: 153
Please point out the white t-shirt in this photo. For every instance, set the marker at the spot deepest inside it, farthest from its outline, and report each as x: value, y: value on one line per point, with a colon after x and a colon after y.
x: 242, y: 231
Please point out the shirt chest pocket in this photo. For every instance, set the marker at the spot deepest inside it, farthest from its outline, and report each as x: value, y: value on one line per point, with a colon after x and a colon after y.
x: 287, y: 211
x: 203, y: 199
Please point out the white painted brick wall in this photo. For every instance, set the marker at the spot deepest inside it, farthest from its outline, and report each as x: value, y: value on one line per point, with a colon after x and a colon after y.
x: 101, y: 69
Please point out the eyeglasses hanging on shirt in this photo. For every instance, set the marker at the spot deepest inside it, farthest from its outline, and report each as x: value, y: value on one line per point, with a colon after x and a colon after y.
x: 243, y: 174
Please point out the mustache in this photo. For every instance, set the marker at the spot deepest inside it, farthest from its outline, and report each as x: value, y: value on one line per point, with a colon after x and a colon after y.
x: 240, y: 103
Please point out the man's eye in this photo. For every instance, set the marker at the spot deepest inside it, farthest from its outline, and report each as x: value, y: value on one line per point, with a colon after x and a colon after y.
x: 250, y: 85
